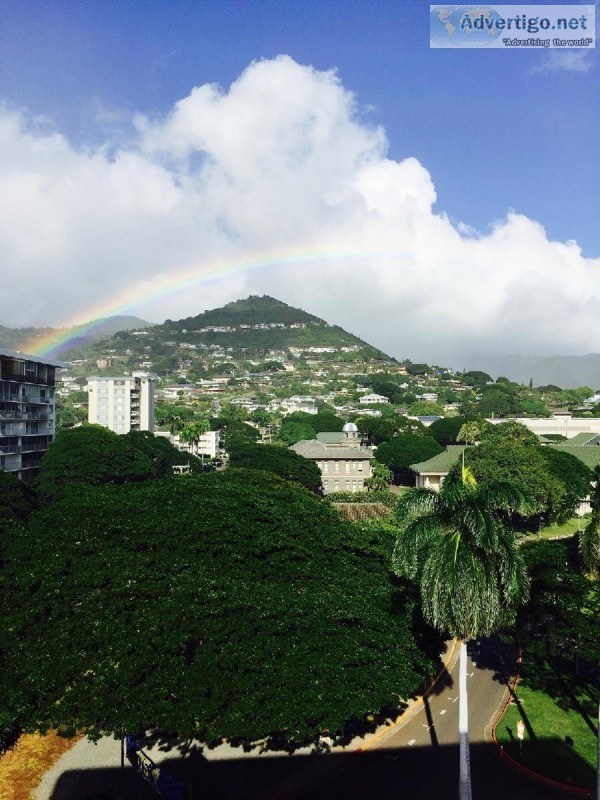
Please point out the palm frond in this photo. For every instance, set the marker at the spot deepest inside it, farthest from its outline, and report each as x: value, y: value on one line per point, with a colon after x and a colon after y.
x: 589, y: 545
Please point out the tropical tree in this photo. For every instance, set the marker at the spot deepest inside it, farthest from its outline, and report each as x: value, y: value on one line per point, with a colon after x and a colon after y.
x: 457, y: 544
x: 381, y: 477
x: 589, y: 538
x: 194, y: 431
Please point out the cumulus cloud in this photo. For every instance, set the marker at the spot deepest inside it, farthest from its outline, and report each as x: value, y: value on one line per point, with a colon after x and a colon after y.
x: 277, y: 185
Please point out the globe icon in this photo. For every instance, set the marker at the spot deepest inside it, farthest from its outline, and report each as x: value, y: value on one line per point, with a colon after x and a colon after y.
x: 463, y: 26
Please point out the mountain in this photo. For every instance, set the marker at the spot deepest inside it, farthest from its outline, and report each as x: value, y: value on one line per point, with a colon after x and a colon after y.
x: 241, y: 337
x: 78, y: 335
x: 568, y: 372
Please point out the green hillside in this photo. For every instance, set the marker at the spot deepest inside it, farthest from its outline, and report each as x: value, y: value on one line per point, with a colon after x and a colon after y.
x: 256, y: 328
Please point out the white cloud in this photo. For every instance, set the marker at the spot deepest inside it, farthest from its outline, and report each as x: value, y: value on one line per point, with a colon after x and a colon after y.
x: 569, y: 60
x: 279, y: 174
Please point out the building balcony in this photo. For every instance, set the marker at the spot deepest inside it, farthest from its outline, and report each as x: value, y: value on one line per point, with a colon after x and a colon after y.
x: 16, y: 378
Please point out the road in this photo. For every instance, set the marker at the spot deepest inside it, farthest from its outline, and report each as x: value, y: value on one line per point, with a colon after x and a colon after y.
x: 417, y: 759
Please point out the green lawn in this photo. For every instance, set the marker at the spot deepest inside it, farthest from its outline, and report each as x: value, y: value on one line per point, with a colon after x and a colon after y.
x: 547, y: 728
x: 569, y: 528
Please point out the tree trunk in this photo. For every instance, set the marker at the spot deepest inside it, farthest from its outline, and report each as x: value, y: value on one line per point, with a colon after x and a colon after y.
x: 464, y: 777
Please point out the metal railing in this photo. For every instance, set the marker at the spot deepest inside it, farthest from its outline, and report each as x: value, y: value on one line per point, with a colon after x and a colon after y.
x: 17, y: 378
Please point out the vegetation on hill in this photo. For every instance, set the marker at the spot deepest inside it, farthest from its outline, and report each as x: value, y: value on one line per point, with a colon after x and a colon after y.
x: 252, y: 310
x: 231, y: 604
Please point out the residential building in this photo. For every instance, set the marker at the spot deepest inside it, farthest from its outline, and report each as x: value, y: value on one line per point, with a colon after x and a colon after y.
x: 207, y: 445
x: 431, y: 473
x: 344, y: 463
x: 122, y: 404
x: 373, y: 399
x: 27, y: 411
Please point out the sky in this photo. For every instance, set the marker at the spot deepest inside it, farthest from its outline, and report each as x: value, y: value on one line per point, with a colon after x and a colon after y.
x: 163, y: 158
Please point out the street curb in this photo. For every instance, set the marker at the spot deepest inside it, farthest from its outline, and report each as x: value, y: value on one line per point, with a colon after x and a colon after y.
x: 414, y: 706
x: 565, y: 787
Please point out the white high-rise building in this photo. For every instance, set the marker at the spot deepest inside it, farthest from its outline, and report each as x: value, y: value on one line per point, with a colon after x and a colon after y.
x: 122, y: 404
x: 27, y: 411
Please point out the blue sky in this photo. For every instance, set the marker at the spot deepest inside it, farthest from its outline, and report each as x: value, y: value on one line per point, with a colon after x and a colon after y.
x: 496, y: 130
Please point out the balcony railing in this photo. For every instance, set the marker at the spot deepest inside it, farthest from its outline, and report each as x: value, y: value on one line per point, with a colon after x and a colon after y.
x: 17, y: 378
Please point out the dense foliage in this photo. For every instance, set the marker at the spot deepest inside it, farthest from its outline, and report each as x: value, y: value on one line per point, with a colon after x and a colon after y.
x: 16, y: 499
x: 91, y: 455
x: 457, y: 544
x: 278, y: 460
x: 406, y: 449
x: 219, y: 605
x: 562, y: 617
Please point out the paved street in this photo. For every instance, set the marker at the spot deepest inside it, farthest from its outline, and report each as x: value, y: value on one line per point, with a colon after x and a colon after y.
x: 418, y: 758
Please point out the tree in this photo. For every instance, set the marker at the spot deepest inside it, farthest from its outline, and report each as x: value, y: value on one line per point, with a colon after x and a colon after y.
x: 292, y: 432
x: 494, y: 403
x: 423, y: 408
x: 522, y: 466
x: 573, y: 474
x: 510, y: 432
x: 161, y: 452
x: 91, y: 455
x: 404, y: 450
x: 470, y: 432
x: 17, y: 500
x: 589, y: 538
x: 472, y: 576
x: 475, y: 377
x: 194, y: 431
x: 589, y: 547
x: 279, y: 460
x: 238, y: 434
x: 230, y: 604
x: 446, y: 431
x: 381, y: 477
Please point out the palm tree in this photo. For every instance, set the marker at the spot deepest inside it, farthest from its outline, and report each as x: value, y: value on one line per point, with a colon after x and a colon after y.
x: 457, y: 544
x: 589, y: 538
x: 193, y: 432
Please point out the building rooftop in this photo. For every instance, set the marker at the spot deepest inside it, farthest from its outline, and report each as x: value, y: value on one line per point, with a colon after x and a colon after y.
x: 442, y: 463
x: 53, y: 362
x: 590, y: 456
x: 311, y: 448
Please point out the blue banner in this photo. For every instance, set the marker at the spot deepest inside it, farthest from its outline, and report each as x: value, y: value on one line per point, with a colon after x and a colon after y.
x: 164, y: 784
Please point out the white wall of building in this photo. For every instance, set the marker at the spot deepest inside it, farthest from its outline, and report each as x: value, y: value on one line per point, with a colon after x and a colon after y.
x: 121, y: 404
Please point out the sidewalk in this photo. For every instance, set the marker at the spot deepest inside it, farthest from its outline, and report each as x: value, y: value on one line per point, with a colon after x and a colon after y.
x: 89, y: 769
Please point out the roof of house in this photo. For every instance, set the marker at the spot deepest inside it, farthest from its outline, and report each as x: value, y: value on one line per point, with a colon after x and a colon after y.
x: 311, y: 448
x: 580, y: 439
x: 590, y: 456
x: 19, y: 356
x: 442, y: 463
x: 330, y: 437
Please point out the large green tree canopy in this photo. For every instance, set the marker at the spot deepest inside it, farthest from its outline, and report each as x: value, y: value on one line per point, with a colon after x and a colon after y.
x: 221, y: 605
x: 406, y: 449
x: 279, y: 460
x: 91, y: 455
x: 523, y: 466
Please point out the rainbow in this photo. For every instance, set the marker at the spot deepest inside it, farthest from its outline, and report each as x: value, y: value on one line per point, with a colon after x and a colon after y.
x: 76, y: 329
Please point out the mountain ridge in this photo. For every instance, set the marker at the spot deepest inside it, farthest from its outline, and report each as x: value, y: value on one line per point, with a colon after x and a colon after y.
x: 103, y: 327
